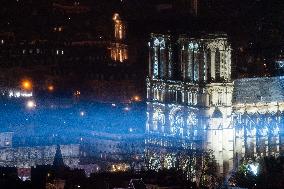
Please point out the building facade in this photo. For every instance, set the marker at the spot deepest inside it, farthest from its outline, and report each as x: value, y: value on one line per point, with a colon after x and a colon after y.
x: 193, y: 101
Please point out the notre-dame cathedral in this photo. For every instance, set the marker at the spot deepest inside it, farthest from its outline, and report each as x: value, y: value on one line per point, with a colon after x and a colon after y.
x: 193, y: 103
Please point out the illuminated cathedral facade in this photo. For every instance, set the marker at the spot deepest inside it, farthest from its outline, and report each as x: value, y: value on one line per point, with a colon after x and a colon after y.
x: 192, y: 103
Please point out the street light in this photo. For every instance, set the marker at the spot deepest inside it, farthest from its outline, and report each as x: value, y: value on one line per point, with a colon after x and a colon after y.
x: 50, y: 88
x: 82, y: 113
x: 127, y: 108
x: 136, y: 98
x: 30, y: 104
x: 27, y: 85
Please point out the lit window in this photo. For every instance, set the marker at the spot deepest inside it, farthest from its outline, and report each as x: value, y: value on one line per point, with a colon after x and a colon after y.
x: 219, y: 98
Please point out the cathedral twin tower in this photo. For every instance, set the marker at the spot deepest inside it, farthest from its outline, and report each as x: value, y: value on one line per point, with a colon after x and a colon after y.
x: 189, y: 93
x: 192, y: 71
x: 193, y: 60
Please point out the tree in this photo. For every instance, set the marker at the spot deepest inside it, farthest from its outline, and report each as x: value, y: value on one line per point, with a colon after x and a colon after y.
x: 207, y: 170
x: 268, y: 176
x: 243, y: 177
x: 200, y: 166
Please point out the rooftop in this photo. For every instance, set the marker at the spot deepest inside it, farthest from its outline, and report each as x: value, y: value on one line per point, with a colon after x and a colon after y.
x: 260, y: 89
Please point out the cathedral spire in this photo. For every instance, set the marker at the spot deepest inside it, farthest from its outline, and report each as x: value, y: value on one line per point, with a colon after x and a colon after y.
x: 58, y: 159
x: 195, y: 7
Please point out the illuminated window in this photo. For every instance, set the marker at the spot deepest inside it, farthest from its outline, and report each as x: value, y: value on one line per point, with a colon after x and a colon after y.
x: 189, y: 98
x: 219, y: 98
x: 210, y: 99
x: 217, y: 64
x: 196, y: 66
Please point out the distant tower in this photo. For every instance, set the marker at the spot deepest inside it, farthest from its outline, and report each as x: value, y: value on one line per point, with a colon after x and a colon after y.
x: 119, y: 27
x: 119, y: 50
x: 187, y: 6
x: 194, y: 6
x: 59, y: 168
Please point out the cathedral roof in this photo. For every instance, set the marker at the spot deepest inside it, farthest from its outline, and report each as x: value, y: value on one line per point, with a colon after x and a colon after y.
x: 258, y: 90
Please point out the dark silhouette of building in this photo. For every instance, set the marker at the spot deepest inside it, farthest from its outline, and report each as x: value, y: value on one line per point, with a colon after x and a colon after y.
x: 58, y: 159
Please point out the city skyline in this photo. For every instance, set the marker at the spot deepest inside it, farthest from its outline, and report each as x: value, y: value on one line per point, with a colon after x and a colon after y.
x: 141, y: 94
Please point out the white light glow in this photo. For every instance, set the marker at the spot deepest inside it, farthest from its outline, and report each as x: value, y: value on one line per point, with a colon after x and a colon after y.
x: 253, y: 168
x: 31, y: 104
x: 127, y: 108
x: 18, y: 94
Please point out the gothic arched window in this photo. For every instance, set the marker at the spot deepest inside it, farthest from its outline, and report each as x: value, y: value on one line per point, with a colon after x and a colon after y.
x: 217, y: 64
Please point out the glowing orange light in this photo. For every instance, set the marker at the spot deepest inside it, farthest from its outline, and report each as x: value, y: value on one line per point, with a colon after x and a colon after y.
x: 50, y: 88
x: 115, y: 16
x: 136, y: 98
x: 27, y: 85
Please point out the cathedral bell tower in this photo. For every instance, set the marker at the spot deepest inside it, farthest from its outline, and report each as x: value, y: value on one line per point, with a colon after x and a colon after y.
x: 189, y: 91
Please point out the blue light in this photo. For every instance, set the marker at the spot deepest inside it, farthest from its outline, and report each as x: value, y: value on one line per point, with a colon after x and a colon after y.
x: 253, y: 168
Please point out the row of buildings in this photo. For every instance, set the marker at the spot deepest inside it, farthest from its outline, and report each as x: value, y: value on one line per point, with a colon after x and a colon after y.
x: 81, y: 44
x: 68, y: 45
x: 192, y: 104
